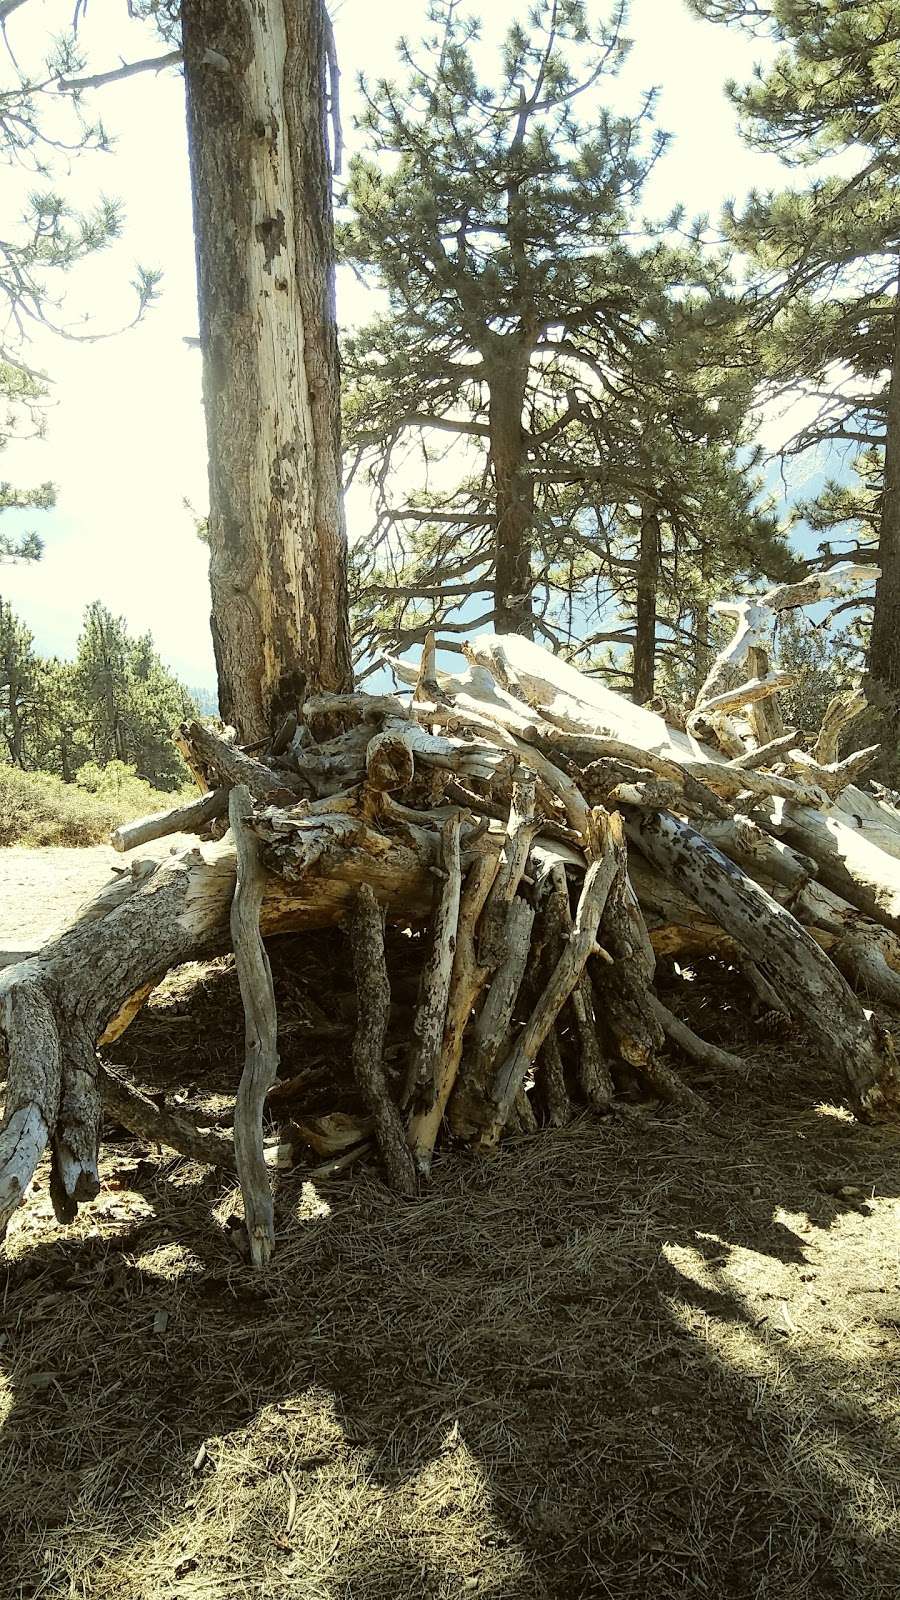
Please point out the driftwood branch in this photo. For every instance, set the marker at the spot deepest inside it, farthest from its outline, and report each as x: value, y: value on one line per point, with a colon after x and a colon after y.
x: 700, y: 1050
x: 261, y: 1061
x: 173, y: 1129
x: 571, y: 964
x: 185, y: 819
x: 434, y: 989
x: 373, y: 992
x: 467, y: 981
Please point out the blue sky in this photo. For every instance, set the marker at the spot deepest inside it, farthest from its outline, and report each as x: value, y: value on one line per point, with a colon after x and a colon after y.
x: 125, y: 439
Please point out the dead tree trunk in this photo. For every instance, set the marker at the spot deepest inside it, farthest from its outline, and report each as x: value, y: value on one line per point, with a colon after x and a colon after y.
x: 255, y: 77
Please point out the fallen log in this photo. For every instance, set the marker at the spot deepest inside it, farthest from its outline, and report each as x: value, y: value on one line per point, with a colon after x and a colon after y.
x: 176, y: 1130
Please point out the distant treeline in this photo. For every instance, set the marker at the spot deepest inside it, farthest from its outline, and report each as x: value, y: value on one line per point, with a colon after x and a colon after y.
x: 115, y: 702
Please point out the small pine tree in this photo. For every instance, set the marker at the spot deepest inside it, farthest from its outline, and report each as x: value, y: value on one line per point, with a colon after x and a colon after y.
x: 18, y: 678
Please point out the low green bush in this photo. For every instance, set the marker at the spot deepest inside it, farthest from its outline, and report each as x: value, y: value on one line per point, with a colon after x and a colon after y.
x: 37, y: 808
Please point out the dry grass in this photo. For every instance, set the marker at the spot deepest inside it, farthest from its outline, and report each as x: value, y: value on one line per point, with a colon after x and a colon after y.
x: 634, y: 1358
x: 37, y: 808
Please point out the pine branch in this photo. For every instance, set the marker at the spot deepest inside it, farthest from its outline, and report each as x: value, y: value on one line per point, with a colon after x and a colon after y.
x: 129, y: 69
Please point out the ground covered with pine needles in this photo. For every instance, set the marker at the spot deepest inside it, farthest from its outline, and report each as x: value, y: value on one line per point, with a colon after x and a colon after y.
x: 640, y: 1356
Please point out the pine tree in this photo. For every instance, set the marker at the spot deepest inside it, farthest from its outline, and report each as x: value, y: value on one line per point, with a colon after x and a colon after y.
x: 832, y: 251
x: 559, y: 385
x: 131, y: 703
x: 18, y: 680
x: 116, y: 702
x: 59, y: 738
x: 21, y: 394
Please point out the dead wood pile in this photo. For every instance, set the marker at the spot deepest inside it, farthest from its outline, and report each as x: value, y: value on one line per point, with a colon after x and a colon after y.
x: 554, y: 839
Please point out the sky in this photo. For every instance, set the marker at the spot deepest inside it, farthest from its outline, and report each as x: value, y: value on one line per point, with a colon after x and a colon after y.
x: 125, y: 440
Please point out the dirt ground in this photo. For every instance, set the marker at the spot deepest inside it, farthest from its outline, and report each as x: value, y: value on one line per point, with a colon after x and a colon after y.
x: 41, y: 890
x: 642, y: 1356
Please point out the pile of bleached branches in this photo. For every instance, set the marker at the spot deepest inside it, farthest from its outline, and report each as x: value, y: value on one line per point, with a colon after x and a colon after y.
x: 554, y: 838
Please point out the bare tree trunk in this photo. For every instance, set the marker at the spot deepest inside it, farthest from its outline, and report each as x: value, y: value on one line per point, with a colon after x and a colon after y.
x: 255, y: 76
x: 514, y: 497
x: 884, y: 646
x: 645, y: 614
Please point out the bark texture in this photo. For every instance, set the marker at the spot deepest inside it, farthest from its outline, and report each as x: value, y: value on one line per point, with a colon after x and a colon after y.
x: 514, y: 495
x: 256, y: 104
x: 645, y: 610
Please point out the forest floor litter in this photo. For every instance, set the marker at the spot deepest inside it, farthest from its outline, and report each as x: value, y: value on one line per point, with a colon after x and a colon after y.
x: 643, y: 1354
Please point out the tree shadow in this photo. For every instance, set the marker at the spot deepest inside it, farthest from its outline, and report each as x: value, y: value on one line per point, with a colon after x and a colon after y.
x: 626, y: 1358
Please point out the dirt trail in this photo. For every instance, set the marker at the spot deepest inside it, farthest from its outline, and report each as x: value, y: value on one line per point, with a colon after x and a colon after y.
x: 42, y: 890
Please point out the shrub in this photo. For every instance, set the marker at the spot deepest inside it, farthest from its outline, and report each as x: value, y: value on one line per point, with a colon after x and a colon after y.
x: 37, y: 808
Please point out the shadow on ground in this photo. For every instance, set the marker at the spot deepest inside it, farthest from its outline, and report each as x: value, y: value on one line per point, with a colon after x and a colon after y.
x: 631, y: 1358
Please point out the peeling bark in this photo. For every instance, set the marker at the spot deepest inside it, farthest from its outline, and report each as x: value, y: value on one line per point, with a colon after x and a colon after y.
x: 810, y: 987
x: 256, y: 100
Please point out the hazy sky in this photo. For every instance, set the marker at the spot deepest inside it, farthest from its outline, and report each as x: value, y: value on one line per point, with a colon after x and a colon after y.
x: 125, y: 440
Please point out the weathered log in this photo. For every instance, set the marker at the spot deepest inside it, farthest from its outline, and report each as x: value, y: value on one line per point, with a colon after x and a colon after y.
x: 121, y: 888
x: 593, y: 1073
x: 176, y: 1130
x: 261, y: 1030
x: 547, y: 939
x: 492, y: 1025
x: 743, y: 694
x: 758, y: 853
x: 184, y: 819
x: 700, y: 1050
x: 801, y: 974
x: 434, y: 989
x: 550, y: 1079
x: 57, y: 1005
x: 34, y: 1075
x: 836, y: 776
x: 511, y: 1074
x: 765, y: 754
x: 623, y: 990
x: 529, y: 754
x: 352, y: 708
x: 373, y: 992
x: 390, y: 763
x: 520, y: 831
x: 466, y: 983
x: 230, y: 767
x: 702, y: 779
x: 473, y: 758
x: 839, y: 713
x: 866, y: 953
x: 847, y: 858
